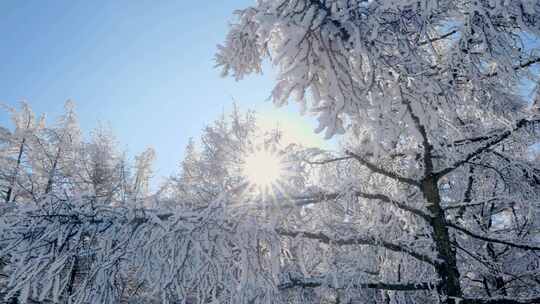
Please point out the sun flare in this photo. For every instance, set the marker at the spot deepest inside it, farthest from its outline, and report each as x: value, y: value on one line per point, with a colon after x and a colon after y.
x: 263, y: 168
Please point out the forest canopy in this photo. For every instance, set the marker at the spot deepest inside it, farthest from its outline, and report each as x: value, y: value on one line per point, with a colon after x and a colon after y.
x: 432, y: 195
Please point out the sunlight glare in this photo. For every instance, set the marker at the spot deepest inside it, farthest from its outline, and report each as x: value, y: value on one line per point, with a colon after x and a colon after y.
x: 263, y: 168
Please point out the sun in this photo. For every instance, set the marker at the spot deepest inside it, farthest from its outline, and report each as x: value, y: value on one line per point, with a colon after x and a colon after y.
x: 263, y: 168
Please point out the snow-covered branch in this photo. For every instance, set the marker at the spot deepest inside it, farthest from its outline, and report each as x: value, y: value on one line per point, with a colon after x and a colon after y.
x: 494, y: 240
x: 357, y: 240
x: 379, y: 170
x: 317, y: 282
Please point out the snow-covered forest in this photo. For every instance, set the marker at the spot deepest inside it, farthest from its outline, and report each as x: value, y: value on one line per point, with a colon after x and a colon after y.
x: 431, y: 196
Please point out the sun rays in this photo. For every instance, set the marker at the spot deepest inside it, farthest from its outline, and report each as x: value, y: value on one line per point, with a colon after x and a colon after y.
x: 263, y: 168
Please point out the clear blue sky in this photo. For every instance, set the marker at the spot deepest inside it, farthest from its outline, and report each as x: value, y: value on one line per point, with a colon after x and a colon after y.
x: 145, y: 67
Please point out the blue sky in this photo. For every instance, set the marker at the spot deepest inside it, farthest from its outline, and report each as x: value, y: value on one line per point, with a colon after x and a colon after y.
x: 144, y: 67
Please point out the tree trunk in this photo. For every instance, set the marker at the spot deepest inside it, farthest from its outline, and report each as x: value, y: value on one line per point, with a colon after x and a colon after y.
x: 14, y: 177
x: 52, y: 172
x: 447, y: 266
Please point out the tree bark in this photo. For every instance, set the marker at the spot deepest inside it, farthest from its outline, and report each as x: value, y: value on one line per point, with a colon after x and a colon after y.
x: 447, y: 266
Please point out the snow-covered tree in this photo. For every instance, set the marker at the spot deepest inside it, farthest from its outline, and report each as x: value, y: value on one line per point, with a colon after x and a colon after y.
x: 15, y: 151
x: 102, y: 164
x: 428, y: 94
x: 46, y: 165
x: 143, y: 173
x: 215, y: 165
x: 433, y: 196
x: 53, y: 155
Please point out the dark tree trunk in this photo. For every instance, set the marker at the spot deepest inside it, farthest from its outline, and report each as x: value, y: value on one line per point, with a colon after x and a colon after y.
x: 14, y: 177
x: 447, y: 266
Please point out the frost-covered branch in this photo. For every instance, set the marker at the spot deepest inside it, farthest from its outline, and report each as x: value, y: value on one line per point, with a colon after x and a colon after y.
x: 493, y: 240
x: 500, y: 300
x: 379, y: 170
x: 317, y: 282
x: 523, y: 65
x: 492, y: 142
x: 328, y: 160
x: 426, y: 144
x: 441, y: 37
x: 324, y: 197
x: 367, y: 240
x: 522, y: 123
